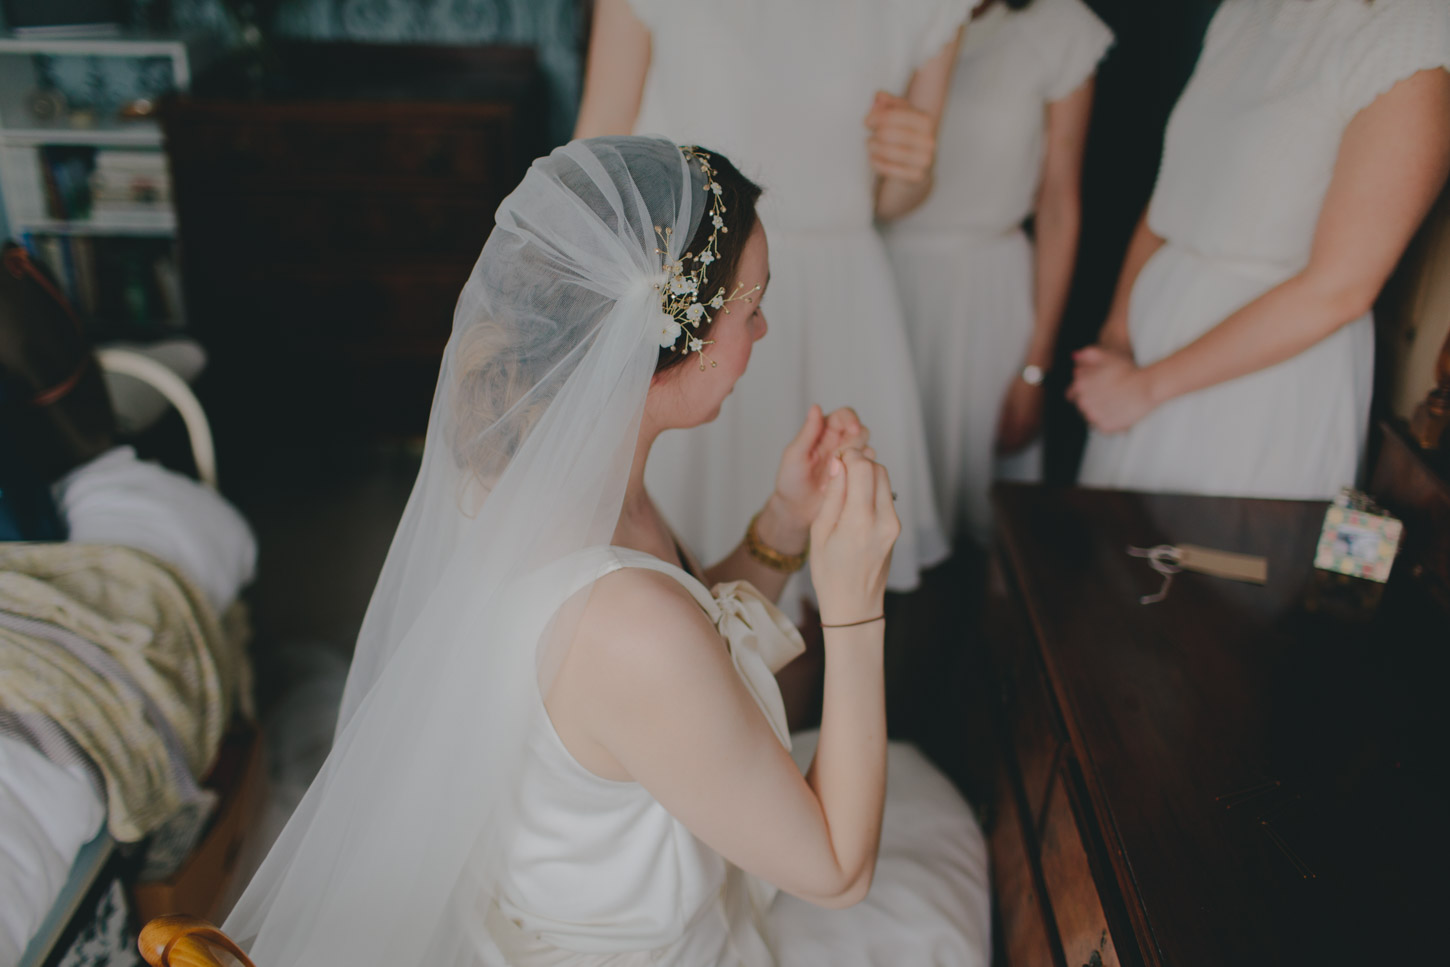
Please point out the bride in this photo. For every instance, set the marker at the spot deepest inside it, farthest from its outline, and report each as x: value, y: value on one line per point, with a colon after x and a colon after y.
x: 561, y: 741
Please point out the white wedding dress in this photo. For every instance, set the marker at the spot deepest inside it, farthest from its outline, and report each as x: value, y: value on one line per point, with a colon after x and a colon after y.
x: 1247, y: 160
x: 448, y: 820
x: 963, y: 263
x: 598, y: 874
x: 782, y: 89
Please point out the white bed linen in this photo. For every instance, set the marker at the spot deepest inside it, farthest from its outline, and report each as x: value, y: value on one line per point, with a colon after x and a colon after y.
x: 48, y: 812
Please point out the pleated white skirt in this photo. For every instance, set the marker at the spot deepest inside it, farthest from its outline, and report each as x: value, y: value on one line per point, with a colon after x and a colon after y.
x: 1294, y: 430
x: 969, y: 312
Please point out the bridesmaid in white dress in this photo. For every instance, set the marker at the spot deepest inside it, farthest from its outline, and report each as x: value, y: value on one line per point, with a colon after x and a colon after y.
x: 983, y: 301
x: 1237, y: 358
x: 783, y: 88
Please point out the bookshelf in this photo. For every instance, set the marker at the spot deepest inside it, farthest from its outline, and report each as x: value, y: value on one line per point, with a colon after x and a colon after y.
x: 84, y: 175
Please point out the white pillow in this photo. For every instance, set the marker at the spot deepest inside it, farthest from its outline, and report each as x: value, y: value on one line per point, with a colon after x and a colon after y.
x: 118, y: 499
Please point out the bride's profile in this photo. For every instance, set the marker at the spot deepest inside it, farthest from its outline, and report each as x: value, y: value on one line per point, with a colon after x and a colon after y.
x: 561, y: 742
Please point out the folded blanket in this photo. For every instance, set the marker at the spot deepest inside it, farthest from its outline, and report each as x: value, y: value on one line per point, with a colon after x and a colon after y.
x: 126, y: 656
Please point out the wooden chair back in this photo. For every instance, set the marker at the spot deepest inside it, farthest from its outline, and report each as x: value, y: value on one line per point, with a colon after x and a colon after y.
x: 180, y: 941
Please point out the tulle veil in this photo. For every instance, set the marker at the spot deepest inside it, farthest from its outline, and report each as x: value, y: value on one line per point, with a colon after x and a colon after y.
x: 390, y: 857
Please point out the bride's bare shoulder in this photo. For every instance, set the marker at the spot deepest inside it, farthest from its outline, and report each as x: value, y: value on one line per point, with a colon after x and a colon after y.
x: 642, y: 651
x: 636, y: 610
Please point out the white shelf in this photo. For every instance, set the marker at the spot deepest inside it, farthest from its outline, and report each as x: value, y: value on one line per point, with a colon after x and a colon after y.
x: 162, y: 223
x: 84, y: 252
x: 22, y: 176
x: 127, y: 134
x: 112, y: 45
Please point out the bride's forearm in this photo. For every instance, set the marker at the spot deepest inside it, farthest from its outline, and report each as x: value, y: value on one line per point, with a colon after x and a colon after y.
x: 775, y: 528
x: 848, y: 773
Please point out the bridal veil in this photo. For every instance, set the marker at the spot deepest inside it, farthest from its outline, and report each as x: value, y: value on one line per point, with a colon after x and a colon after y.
x: 389, y: 858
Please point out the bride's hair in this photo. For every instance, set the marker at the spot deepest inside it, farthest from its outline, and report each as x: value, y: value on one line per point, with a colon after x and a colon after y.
x: 740, y: 195
x: 500, y: 389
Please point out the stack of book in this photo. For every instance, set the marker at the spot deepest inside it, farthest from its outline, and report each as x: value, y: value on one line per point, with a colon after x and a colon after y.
x: 105, y: 183
x: 67, y: 172
x: 124, y: 287
x: 129, y: 182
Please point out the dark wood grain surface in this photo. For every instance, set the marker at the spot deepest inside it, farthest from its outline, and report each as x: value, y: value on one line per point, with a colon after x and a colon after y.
x: 1174, y: 709
x: 329, y: 220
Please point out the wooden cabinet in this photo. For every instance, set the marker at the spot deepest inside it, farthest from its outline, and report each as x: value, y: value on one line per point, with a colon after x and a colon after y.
x: 1025, y: 936
x: 1082, y: 925
x: 329, y: 221
x: 1226, y: 777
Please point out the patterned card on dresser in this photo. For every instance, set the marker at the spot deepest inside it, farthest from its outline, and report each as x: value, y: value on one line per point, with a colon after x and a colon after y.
x: 1358, y: 542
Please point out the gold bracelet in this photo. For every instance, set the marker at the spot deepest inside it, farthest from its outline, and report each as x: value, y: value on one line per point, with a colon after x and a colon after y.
x: 769, y: 556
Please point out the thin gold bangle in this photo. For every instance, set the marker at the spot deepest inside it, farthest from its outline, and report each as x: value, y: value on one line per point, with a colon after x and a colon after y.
x: 854, y: 624
x: 769, y: 556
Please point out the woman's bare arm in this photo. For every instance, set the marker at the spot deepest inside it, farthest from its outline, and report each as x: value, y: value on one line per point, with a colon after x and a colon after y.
x: 648, y: 693
x: 1141, y: 248
x: 1058, y: 221
x: 903, y: 140
x: 1058, y: 224
x: 800, y: 484
x: 618, y: 60
x: 779, y: 529
x: 1392, y: 163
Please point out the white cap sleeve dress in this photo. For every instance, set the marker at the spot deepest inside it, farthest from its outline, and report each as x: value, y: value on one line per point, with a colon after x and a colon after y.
x: 1248, y: 157
x: 964, y: 266
x: 783, y: 90
x: 599, y: 874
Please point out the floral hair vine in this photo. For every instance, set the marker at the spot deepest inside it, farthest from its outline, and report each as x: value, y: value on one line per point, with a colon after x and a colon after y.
x: 682, y: 292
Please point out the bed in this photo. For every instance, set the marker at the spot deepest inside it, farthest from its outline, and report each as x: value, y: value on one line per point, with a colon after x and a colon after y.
x: 65, y: 876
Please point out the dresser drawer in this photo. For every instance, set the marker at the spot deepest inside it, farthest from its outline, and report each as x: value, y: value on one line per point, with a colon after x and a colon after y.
x: 1026, y: 701
x: 1024, y: 938
x: 1082, y: 926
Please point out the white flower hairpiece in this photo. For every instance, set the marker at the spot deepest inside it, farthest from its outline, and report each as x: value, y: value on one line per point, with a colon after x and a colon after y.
x: 685, y: 308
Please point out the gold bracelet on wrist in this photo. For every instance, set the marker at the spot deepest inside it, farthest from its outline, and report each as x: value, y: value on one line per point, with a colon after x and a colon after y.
x: 769, y: 556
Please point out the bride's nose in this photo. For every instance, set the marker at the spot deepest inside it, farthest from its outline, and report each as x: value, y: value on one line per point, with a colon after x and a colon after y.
x: 764, y: 326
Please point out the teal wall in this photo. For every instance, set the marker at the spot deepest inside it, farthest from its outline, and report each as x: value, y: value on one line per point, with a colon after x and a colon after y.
x: 550, y: 26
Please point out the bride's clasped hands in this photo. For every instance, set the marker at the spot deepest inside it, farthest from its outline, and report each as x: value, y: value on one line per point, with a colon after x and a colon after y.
x: 853, y: 536
x: 830, y: 485
x: 805, y: 466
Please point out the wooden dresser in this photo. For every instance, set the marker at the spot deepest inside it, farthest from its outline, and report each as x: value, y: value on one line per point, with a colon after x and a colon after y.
x: 1223, y: 778
x: 330, y: 213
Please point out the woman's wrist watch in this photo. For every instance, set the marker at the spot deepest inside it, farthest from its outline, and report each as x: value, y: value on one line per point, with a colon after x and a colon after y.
x: 1033, y: 374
